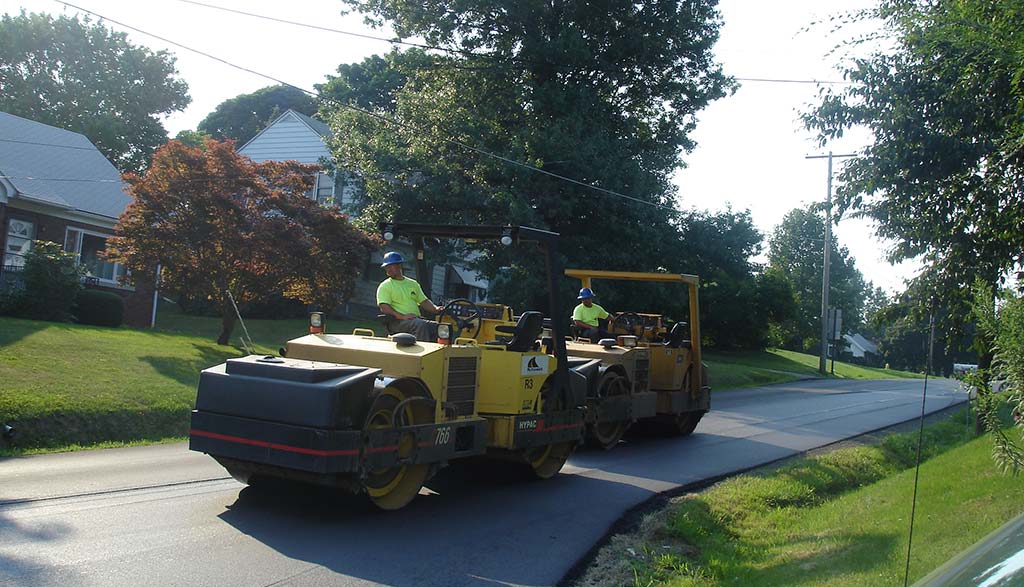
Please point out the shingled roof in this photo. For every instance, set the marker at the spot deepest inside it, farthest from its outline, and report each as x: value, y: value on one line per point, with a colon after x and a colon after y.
x: 319, y: 127
x: 59, y: 168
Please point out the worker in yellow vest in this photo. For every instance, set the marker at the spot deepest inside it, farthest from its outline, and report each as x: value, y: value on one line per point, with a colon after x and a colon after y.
x: 587, y: 316
x: 402, y: 299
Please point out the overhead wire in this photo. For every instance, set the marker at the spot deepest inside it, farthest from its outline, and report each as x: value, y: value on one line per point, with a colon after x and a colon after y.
x: 90, y: 148
x: 372, y: 114
x: 463, y: 52
x: 792, y: 81
x: 334, y: 30
x: 207, y: 179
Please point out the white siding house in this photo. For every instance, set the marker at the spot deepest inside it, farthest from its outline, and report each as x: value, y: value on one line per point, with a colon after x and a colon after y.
x: 293, y: 136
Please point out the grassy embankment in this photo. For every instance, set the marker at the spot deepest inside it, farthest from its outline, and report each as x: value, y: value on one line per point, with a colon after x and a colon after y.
x: 840, y: 519
x: 64, y: 385
x: 749, y: 369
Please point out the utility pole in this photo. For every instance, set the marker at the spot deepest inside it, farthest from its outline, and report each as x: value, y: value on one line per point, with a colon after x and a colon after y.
x: 825, y: 266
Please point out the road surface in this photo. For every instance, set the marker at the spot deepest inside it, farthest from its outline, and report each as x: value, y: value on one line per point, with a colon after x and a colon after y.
x: 162, y: 515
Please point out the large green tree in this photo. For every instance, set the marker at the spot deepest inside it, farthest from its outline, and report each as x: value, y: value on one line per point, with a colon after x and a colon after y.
x: 795, y: 251
x: 736, y: 302
x: 604, y: 95
x: 944, y: 103
x: 374, y: 83
x: 242, y: 117
x: 902, y: 329
x: 84, y: 77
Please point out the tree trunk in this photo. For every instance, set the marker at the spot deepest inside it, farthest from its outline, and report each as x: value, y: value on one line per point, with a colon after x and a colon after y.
x: 227, y: 323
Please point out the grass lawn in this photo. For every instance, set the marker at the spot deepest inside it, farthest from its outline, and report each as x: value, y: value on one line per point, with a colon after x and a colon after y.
x: 840, y: 519
x: 268, y: 335
x: 749, y: 369
x: 65, y: 385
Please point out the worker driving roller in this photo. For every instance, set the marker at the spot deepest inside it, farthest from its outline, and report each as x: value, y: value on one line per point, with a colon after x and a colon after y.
x: 587, y: 317
x: 402, y: 299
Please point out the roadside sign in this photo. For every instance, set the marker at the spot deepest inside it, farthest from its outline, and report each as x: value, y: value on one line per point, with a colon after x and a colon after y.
x: 835, y: 323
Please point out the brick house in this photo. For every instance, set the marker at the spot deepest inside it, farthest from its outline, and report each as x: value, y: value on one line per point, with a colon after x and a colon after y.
x: 56, y: 186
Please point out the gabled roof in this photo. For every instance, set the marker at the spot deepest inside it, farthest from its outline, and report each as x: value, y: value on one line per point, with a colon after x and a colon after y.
x: 316, y: 126
x: 858, y: 340
x: 319, y: 127
x: 59, y: 168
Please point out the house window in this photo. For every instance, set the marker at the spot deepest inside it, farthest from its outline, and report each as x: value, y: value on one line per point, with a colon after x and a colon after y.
x: 20, y: 234
x: 325, y: 190
x: 372, y: 271
x: 89, y: 247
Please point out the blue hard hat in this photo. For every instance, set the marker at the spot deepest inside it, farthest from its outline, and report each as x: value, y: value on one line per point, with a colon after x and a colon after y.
x: 585, y: 293
x: 392, y: 258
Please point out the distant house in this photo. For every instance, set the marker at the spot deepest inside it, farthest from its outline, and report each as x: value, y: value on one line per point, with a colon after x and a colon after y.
x: 861, y: 348
x: 56, y: 186
x: 293, y: 136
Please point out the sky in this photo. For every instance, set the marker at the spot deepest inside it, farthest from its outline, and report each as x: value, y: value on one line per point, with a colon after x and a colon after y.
x: 751, y: 151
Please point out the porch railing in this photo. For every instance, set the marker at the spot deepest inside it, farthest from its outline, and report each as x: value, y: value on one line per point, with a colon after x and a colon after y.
x: 11, y: 278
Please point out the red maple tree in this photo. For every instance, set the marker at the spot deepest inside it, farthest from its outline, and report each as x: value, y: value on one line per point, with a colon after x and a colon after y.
x: 216, y: 222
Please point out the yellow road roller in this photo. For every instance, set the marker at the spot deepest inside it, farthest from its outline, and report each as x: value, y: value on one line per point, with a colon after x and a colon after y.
x: 649, y: 372
x: 382, y: 414
x: 622, y: 393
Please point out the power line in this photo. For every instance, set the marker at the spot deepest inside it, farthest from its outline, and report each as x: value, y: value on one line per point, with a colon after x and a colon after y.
x: 790, y: 81
x: 333, y: 30
x: 206, y: 179
x: 460, y: 51
x: 371, y: 114
x: 67, y: 179
x: 91, y: 148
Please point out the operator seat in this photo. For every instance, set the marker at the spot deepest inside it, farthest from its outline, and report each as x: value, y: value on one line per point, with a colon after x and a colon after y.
x: 388, y: 322
x: 524, y: 333
x: 577, y: 333
x: 678, y: 336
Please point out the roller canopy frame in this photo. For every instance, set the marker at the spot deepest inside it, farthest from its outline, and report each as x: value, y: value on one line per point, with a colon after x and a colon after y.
x: 586, y: 277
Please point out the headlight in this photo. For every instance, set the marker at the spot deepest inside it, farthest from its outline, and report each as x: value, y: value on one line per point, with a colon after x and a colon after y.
x: 626, y: 341
x: 316, y: 322
x: 444, y: 331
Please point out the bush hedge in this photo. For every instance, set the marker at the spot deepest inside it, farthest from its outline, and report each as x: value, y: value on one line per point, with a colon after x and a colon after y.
x: 49, y: 285
x: 100, y: 308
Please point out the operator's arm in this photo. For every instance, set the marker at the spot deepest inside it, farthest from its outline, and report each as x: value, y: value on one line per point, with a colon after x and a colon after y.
x: 429, y: 307
x: 387, y: 309
x: 577, y: 313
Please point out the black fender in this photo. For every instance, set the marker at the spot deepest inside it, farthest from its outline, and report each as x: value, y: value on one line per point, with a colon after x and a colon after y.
x: 584, y: 378
x: 416, y: 393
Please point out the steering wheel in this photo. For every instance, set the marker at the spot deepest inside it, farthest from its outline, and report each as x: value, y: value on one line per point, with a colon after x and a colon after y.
x: 462, y: 322
x: 627, y: 321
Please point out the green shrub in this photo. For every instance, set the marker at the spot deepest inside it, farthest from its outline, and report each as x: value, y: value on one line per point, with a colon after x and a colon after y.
x: 13, y: 301
x: 52, y: 279
x: 100, y: 308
